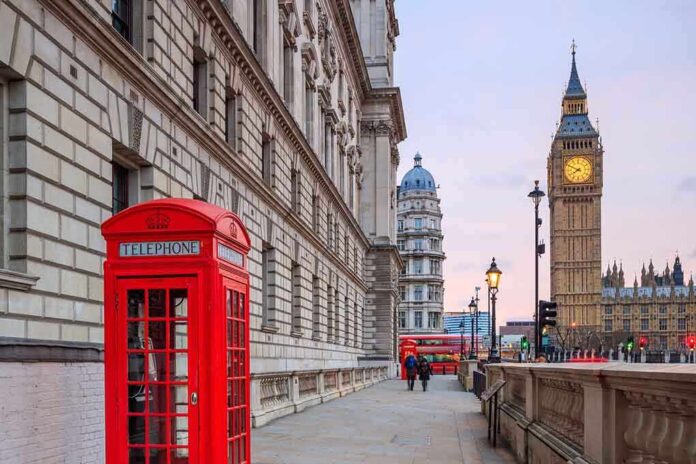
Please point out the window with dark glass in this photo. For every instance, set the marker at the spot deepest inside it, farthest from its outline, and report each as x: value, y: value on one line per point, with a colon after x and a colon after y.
x: 231, y: 118
x: 200, y: 81
x: 121, y: 18
x: 119, y: 188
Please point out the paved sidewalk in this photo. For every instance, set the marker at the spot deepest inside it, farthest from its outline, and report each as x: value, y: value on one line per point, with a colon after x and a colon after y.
x: 383, y: 424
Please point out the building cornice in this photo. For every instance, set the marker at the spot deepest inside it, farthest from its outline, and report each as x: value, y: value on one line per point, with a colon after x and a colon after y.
x: 349, y: 33
x: 391, y: 96
x: 105, y: 41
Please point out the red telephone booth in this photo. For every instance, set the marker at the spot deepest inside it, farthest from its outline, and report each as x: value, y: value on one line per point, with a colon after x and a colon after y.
x: 406, y: 348
x: 176, y: 336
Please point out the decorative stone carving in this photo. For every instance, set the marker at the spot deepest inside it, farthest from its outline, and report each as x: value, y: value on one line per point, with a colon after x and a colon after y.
x: 290, y: 21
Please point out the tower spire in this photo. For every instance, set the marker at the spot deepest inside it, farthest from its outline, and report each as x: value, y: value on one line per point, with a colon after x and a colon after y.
x: 574, y: 88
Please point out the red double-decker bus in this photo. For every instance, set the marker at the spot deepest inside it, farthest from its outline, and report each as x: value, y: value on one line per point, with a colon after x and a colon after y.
x: 441, y: 350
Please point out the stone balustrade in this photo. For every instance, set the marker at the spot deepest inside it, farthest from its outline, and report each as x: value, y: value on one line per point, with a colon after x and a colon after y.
x: 276, y: 394
x: 598, y: 413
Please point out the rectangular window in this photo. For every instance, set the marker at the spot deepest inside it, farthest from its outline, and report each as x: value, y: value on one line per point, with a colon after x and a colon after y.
x: 663, y: 342
x: 402, y: 293
x: 432, y: 224
x: 418, y: 223
x: 357, y: 320
x: 681, y: 323
x: 266, y: 159
x: 627, y: 325
x: 329, y: 230
x: 200, y: 82
x: 608, y: 325
x: 346, y: 248
x: 267, y: 272
x: 330, y: 312
x: 682, y: 308
x: 259, y: 30
x: 288, y: 74
x: 296, y: 181
x: 400, y: 226
x: 435, y: 267
x: 418, y: 319
x: 316, y: 307
x: 121, y: 18
x: 231, y: 119
x: 296, y: 283
x: 119, y: 188
x: 400, y: 245
x: 663, y: 323
x: 418, y: 293
x: 644, y: 310
x: 608, y: 310
x: 418, y: 244
x: 663, y: 309
x: 346, y: 321
x: 315, y: 212
x: 418, y: 266
x: 434, y: 320
x: 309, y: 113
x: 402, y: 319
x: 337, y: 316
x: 626, y: 310
x: 644, y: 325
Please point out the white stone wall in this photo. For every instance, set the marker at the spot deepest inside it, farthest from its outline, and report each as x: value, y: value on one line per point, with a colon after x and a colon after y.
x: 52, y: 413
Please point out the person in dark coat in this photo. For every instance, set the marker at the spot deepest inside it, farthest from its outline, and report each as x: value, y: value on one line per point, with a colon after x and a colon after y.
x: 424, y: 372
x: 411, y: 365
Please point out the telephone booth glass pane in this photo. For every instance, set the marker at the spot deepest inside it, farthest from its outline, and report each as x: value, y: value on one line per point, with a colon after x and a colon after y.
x: 158, y: 374
x: 236, y: 376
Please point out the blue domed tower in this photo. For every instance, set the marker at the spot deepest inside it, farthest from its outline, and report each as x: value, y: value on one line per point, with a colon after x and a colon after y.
x: 419, y: 239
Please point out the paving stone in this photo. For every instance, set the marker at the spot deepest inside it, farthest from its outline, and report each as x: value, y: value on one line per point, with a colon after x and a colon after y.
x: 383, y: 424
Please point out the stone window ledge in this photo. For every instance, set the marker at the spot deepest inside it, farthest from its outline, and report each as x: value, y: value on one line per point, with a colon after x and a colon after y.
x: 17, y: 280
x: 269, y: 328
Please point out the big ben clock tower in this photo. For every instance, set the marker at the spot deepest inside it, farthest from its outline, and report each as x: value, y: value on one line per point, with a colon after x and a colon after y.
x: 575, y: 199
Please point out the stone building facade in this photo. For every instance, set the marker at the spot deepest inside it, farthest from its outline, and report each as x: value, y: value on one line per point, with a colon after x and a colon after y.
x: 662, y: 308
x: 282, y: 111
x: 575, y: 180
x: 419, y: 239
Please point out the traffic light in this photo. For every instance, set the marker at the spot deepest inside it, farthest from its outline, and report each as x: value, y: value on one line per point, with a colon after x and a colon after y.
x: 692, y: 343
x: 642, y: 342
x: 524, y: 343
x: 630, y: 343
x: 547, y: 314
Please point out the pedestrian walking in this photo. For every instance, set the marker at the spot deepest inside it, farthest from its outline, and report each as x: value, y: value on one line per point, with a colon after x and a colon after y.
x: 411, y: 365
x: 424, y: 372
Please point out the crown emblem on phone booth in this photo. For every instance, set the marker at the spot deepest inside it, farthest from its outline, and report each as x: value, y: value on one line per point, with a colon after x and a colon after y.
x: 233, y: 229
x: 157, y: 221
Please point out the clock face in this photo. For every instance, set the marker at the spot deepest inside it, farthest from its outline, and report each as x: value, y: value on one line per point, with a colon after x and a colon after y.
x: 578, y: 169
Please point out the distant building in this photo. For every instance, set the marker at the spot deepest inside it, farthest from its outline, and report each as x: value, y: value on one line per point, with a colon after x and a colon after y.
x: 521, y: 328
x: 662, y: 308
x: 419, y: 239
x: 453, y: 320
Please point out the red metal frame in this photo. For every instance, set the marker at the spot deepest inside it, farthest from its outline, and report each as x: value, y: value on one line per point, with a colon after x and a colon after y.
x: 156, y: 342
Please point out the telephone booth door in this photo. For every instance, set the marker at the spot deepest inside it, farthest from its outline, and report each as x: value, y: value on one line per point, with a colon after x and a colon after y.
x: 238, y: 416
x: 156, y: 336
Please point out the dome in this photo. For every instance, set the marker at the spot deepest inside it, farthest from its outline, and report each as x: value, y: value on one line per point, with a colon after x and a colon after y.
x: 418, y: 178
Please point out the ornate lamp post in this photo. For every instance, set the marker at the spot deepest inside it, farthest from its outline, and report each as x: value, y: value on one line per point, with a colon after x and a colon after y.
x: 493, y: 274
x: 473, y: 314
x: 536, y: 195
x: 461, y: 339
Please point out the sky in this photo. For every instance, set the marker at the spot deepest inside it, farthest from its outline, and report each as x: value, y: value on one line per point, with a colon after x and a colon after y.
x: 482, y: 84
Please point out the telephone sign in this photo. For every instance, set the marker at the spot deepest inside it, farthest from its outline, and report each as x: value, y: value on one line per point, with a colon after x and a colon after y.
x: 176, y: 335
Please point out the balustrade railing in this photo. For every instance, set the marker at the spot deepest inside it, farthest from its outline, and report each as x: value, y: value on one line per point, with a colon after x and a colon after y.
x: 604, y: 413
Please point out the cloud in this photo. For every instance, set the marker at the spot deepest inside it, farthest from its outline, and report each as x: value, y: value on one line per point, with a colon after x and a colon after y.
x: 688, y: 184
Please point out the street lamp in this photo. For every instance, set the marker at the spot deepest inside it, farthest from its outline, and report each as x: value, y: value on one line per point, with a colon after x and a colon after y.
x: 476, y: 320
x: 536, y: 195
x: 473, y: 310
x: 461, y: 339
x: 493, y: 274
